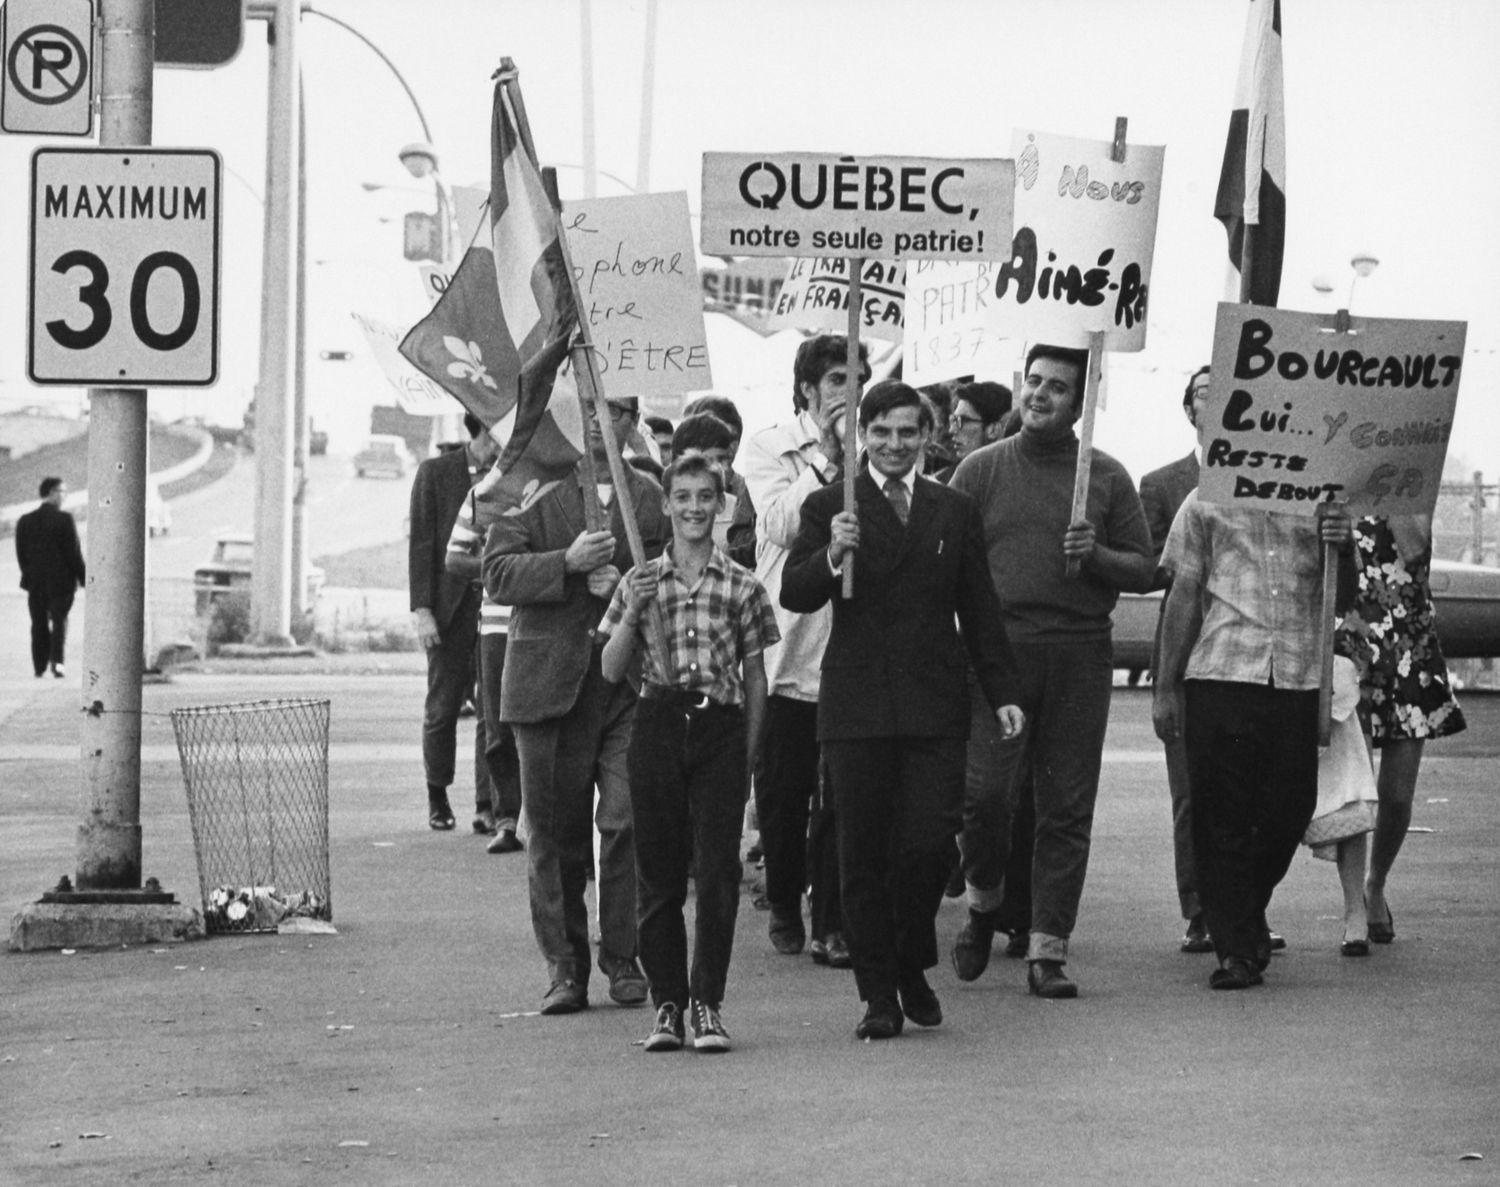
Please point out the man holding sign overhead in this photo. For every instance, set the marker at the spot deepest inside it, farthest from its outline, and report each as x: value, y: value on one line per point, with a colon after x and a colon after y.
x: 1059, y: 627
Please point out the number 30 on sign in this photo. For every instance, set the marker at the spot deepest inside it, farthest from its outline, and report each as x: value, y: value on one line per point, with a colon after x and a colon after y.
x: 124, y: 267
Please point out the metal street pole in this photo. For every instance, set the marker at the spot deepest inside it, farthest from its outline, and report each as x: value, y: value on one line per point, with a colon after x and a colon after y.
x: 109, y: 840
x: 270, y: 584
x: 299, y: 606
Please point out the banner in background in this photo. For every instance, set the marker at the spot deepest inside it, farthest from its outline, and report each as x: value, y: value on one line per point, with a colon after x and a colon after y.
x: 415, y: 392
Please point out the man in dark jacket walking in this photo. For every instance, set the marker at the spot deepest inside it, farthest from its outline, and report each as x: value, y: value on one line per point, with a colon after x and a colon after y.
x: 51, y: 571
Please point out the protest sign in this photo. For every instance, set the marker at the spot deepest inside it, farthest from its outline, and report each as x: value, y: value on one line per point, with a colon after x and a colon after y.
x: 744, y: 289
x: 1300, y: 414
x: 815, y: 296
x: 822, y: 204
x: 1085, y: 231
x: 638, y: 288
x: 415, y: 393
x: 948, y: 316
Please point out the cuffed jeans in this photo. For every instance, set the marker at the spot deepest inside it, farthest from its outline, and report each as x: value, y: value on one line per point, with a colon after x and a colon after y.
x: 500, y: 758
x: 898, y: 803
x: 1064, y: 690
x: 562, y: 759
x: 451, y: 667
x: 788, y: 797
x: 1253, y: 767
x: 687, y: 794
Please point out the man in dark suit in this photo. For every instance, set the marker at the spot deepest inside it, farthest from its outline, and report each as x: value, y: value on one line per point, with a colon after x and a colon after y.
x: 893, y: 704
x: 1162, y: 493
x: 446, y: 608
x: 51, y: 570
x: 572, y: 726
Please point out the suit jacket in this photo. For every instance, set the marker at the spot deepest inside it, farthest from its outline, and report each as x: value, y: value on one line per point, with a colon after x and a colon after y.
x: 554, y: 621
x: 47, y: 551
x: 1163, y: 492
x: 437, y: 492
x: 895, y: 664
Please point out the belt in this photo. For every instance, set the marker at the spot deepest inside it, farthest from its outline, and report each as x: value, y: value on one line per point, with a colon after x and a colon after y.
x: 683, y: 698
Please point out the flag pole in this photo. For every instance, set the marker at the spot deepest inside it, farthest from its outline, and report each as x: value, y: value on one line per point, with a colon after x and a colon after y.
x: 588, y: 376
x: 851, y: 407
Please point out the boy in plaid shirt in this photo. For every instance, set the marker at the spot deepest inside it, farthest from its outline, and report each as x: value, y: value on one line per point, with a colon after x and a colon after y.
x: 697, y: 727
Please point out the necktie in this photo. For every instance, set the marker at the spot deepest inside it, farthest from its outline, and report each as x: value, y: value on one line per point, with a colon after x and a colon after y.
x: 895, y: 491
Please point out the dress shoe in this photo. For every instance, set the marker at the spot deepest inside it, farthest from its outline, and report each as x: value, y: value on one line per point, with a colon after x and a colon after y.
x: 505, y: 841
x: 787, y: 933
x: 1235, y: 973
x: 819, y: 951
x: 1195, y: 939
x: 1354, y: 948
x: 484, y: 822
x: 565, y: 997
x: 1276, y: 940
x: 882, y: 1020
x: 627, y: 984
x: 1019, y: 943
x: 838, y: 951
x: 918, y: 1002
x: 1045, y: 978
x: 439, y: 812
x: 971, y: 950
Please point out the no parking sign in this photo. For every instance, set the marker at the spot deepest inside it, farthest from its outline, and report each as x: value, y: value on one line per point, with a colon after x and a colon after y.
x: 46, y: 70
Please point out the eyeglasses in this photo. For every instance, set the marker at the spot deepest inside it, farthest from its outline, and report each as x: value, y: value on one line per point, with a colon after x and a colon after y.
x: 617, y: 412
x: 964, y: 422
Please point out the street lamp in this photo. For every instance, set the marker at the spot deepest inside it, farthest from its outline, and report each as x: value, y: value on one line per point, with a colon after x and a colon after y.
x: 421, y: 160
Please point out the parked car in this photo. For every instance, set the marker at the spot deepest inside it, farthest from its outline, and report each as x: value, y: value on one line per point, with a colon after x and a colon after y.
x: 228, y: 571
x: 387, y: 454
x: 1466, y: 599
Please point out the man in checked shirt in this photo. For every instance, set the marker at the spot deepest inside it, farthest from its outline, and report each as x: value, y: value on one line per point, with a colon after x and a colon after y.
x: 697, y: 727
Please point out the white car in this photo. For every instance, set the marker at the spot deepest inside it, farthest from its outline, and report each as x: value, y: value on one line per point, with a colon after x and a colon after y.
x: 386, y: 454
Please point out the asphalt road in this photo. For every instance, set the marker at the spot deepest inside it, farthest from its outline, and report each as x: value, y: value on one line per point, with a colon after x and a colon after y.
x: 406, y: 1050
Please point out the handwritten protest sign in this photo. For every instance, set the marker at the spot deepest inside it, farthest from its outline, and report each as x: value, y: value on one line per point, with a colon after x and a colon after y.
x: 1299, y: 414
x: 815, y: 296
x: 821, y: 204
x: 415, y: 392
x: 639, y: 287
x: 948, y: 320
x: 1085, y: 233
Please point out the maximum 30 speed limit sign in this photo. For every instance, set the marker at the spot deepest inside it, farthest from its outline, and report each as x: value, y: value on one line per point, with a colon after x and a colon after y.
x: 124, y: 271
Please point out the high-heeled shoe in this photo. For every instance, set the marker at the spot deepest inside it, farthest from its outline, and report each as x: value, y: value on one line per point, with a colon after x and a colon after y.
x: 1354, y: 948
x: 1383, y: 932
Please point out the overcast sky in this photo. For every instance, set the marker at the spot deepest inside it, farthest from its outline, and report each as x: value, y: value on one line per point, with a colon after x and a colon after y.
x: 1391, y: 110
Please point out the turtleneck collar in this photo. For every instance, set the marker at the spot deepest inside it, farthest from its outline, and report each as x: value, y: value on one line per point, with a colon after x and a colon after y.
x: 1032, y: 447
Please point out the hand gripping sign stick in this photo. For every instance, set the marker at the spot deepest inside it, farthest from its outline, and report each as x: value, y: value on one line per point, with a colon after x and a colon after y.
x: 1091, y: 396
x: 851, y: 408
x: 591, y: 391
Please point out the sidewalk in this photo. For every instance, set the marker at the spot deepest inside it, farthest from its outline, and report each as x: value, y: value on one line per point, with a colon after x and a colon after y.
x: 406, y: 1049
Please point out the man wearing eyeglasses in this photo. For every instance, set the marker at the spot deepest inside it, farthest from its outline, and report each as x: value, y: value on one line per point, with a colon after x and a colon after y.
x: 978, y: 409
x: 572, y: 726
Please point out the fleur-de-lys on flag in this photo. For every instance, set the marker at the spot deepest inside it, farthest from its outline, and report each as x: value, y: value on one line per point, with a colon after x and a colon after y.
x: 497, y: 336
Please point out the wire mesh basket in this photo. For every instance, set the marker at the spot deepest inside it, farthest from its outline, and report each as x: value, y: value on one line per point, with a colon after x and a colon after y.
x: 257, y: 789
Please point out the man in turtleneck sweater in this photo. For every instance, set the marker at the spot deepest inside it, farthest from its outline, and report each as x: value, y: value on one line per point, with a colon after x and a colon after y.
x: 1059, y: 628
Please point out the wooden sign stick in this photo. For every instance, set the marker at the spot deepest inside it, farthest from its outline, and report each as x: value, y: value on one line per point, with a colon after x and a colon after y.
x: 1086, y: 439
x: 1325, y: 644
x: 851, y: 409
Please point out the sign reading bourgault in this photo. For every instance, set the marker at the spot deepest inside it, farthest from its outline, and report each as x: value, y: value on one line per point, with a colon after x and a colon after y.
x: 821, y: 204
x: 1300, y: 413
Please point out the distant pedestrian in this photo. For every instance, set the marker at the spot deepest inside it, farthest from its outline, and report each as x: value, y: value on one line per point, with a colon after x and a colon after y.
x: 51, y: 571
x: 697, y: 728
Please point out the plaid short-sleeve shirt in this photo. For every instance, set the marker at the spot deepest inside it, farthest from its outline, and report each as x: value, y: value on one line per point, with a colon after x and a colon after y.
x: 1261, y: 579
x: 712, y: 626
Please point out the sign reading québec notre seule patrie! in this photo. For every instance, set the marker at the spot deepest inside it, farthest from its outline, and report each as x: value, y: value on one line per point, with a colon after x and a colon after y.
x: 820, y: 204
x: 1299, y: 414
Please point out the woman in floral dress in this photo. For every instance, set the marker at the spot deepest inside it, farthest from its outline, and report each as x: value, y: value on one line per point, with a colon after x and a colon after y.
x: 1405, y: 695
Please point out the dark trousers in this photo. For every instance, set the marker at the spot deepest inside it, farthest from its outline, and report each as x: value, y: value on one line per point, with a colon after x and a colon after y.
x: 49, y: 627
x: 687, y: 796
x: 898, y: 802
x: 451, y: 669
x: 1253, y: 768
x: 796, y: 815
x: 500, y: 758
x: 563, y: 760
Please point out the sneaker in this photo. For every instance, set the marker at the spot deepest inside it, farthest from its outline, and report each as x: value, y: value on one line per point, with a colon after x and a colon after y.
x: 667, y: 1034
x: 708, y: 1031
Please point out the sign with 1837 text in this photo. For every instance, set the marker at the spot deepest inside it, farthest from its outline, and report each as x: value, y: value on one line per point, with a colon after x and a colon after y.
x: 1299, y: 413
x: 892, y: 208
x: 124, y: 275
